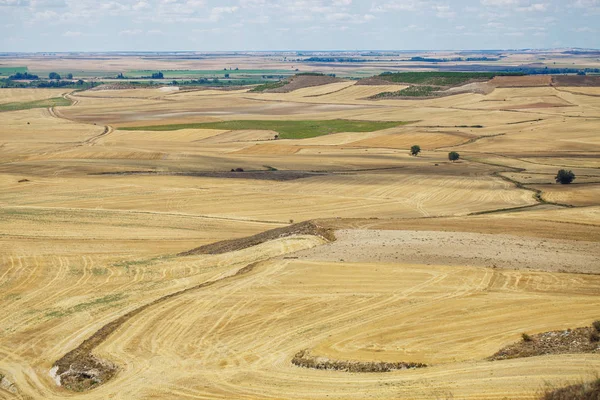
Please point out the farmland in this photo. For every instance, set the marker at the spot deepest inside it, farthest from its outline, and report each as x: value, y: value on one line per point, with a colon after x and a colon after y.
x: 286, y: 129
x: 159, y: 242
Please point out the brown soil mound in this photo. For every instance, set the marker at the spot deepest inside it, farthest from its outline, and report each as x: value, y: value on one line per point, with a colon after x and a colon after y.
x: 583, y: 391
x: 570, y: 341
x: 374, y: 81
x: 302, y: 228
x: 86, y: 372
x: 576, y: 80
x: 304, y: 81
x: 521, y: 81
x: 305, y: 360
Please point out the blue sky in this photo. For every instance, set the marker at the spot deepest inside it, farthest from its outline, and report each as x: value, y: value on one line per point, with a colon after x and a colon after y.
x: 211, y: 25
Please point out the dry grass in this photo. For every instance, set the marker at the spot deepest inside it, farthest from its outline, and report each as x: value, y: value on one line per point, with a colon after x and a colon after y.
x: 71, y: 240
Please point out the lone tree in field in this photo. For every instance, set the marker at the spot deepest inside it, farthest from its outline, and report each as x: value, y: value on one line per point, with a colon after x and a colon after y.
x: 53, y: 75
x: 415, y: 150
x: 565, y: 177
x: 453, y: 156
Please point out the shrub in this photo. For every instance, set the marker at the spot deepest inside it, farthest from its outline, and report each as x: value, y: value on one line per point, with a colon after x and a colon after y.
x: 54, y: 75
x: 453, y: 156
x: 596, y: 325
x: 565, y: 177
x: 595, y: 337
x: 415, y: 150
x: 526, y: 337
x: 584, y: 391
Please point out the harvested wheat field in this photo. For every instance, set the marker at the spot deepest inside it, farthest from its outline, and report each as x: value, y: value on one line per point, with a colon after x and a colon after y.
x: 285, y: 244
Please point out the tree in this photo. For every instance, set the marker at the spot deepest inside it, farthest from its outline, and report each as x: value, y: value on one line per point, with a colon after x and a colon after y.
x: 69, y: 76
x: 565, y: 177
x: 23, y: 75
x: 453, y: 156
x: 157, y: 75
x: 53, y: 75
x: 226, y: 76
x: 415, y: 150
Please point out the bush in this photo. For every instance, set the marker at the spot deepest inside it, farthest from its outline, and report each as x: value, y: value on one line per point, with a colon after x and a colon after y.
x: 23, y: 75
x: 595, y: 337
x: 596, y: 325
x: 565, y: 177
x: 415, y: 150
x: 453, y: 156
x: 526, y: 337
x: 584, y: 391
x: 54, y: 75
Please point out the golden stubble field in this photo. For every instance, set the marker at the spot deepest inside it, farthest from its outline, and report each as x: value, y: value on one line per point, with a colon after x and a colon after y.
x: 435, y: 262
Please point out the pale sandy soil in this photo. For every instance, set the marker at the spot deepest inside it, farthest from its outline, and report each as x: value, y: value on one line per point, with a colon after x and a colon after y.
x: 460, y: 249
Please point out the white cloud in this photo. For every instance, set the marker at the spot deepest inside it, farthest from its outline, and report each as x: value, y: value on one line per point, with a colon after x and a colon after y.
x: 539, y: 7
x: 140, y: 5
x: 131, y: 32
x: 500, y: 3
x: 444, y: 11
x: 584, y: 29
x: 398, y: 5
x: 217, y: 12
x: 14, y: 3
x: 71, y: 34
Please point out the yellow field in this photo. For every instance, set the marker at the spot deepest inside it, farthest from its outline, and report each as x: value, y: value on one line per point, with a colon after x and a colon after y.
x: 435, y: 262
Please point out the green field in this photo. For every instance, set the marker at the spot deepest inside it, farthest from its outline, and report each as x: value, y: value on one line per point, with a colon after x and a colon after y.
x: 268, y: 86
x: 8, y: 71
x: 436, y: 78
x: 55, y: 101
x: 286, y: 129
x: 208, y: 73
x: 411, y: 91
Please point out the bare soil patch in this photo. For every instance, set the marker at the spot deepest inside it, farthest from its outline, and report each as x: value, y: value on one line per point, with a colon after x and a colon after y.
x: 304, y: 81
x: 372, y: 81
x: 459, y: 249
x: 576, y: 80
x: 521, y: 81
x: 306, y: 360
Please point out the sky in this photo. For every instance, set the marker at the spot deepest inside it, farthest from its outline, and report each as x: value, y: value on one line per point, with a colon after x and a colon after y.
x: 228, y: 25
